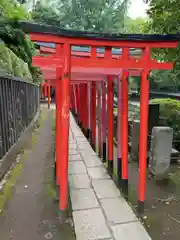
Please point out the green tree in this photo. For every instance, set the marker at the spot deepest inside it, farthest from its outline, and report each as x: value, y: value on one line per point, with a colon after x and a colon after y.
x: 136, y: 25
x: 12, y: 10
x: 164, y: 18
x: 101, y: 15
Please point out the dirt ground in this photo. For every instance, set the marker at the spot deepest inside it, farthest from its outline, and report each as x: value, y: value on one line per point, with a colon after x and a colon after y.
x: 30, y: 211
x: 162, y: 206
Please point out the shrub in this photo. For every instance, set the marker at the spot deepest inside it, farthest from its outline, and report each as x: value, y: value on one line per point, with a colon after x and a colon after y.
x: 170, y: 112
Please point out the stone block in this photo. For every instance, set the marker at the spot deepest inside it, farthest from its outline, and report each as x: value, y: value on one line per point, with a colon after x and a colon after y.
x: 81, y: 139
x: 73, y: 151
x: 76, y: 167
x: 90, y: 225
x: 72, y: 146
x: 117, y: 210
x: 105, y: 188
x: 160, y: 151
x: 92, y: 160
x: 97, y: 173
x: 83, y: 199
x: 84, y: 146
x: 75, y: 157
x: 130, y: 231
x: 79, y: 181
x: 87, y: 153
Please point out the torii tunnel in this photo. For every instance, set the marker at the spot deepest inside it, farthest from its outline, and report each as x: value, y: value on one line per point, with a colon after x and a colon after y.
x: 80, y: 76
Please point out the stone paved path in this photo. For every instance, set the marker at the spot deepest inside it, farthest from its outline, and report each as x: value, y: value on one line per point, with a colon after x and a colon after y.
x: 31, y: 214
x: 99, y: 210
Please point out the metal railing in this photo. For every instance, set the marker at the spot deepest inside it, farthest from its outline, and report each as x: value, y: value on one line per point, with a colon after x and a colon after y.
x: 19, y: 102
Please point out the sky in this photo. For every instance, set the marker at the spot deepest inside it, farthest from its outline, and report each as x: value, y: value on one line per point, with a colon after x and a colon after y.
x: 137, y: 9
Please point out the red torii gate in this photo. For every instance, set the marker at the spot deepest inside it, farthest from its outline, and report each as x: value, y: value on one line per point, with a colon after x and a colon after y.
x: 104, y: 66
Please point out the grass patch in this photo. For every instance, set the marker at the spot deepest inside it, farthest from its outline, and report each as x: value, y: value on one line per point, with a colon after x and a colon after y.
x: 7, y: 190
x: 175, y: 178
x: 50, y: 188
x: 43, y: 117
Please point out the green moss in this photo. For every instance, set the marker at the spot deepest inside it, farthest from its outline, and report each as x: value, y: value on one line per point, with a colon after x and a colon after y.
x: 50, y: 188
x: 43, y: 116
x: 174, y: 178
x: 7, y: 190
x: 54, y: 121
x: 132, y: 196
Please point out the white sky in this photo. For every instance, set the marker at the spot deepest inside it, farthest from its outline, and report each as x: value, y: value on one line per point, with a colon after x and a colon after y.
x: 137, y: 9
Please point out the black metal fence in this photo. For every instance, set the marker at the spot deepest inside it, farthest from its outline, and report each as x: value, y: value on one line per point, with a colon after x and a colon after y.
x: 19, y: 103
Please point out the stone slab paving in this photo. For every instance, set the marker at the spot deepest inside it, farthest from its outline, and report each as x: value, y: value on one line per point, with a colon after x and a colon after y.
x: 99, y: 210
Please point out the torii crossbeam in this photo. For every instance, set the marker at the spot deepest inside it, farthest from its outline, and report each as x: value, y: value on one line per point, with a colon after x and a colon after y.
x: 64, y: 67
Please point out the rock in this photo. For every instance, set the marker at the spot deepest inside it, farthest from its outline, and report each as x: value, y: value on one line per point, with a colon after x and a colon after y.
x: 48, y: 235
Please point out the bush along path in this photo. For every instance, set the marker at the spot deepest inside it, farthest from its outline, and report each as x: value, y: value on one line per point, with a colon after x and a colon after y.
x: 27, y: 207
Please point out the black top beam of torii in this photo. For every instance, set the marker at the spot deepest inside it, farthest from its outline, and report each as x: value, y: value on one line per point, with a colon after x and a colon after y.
x: 32, y: 27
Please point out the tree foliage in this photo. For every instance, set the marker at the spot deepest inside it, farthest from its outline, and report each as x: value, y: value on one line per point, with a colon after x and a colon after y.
x: 101, y: 15
x: 19, y: 47
x: 165, y: 18
x: 136, y: 25
x: 11, y: 10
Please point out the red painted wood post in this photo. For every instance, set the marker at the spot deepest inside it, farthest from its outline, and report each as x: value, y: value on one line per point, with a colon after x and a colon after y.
x: 93, y: 116
x: 124, y: 126
x: 119, y: 140
x: 124, y: 132
x: 58, y: 124
x: 110, y: 124
x: 85, y: 103
x: 99, y: 102
x: 65, y: 84
x: 104, y: 121
x: 90, y: 113
x: 70, y: 98
x: 78, y: 103
x: 81, y: 105
x: 45, y: 90
x: 58, y: 116
x: 72, y: 107
x: 49, y: 95
x: 75, y: 100
x: 144, y: 107
x: 89, y: 109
